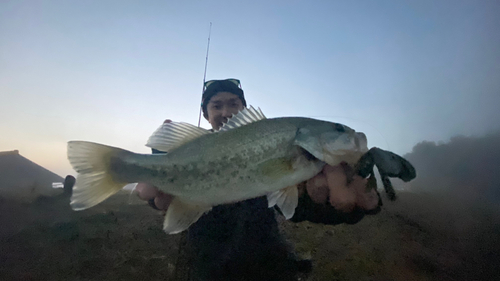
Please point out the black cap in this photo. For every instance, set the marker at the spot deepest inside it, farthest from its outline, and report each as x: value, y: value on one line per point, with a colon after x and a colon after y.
x: 216, y: 86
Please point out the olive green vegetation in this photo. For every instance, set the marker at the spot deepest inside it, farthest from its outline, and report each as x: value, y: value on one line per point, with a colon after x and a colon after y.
x: 418, y: 237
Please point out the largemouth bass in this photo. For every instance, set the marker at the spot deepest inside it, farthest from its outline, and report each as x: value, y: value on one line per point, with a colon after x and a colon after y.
x: 250, y: 156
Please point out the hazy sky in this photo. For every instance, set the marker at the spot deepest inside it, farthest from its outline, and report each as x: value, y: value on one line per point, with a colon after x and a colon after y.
x: 112, y: 71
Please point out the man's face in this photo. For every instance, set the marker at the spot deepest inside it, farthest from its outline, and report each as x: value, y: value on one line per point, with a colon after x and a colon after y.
x: 221, y: 107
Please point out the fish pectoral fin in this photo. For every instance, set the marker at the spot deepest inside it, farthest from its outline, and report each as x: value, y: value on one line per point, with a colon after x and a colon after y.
x: 287, y: 200
x: 276, y: 168
x: 180, y: 215
x: 172, y: 135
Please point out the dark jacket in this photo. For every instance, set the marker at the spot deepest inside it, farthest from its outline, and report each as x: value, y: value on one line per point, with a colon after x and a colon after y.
x: 242, y: 242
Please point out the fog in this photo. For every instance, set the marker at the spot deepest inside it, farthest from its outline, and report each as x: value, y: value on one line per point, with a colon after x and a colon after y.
x: 467, y: 167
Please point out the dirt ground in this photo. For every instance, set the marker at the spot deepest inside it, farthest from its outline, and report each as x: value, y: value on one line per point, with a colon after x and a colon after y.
x: 419, y: 237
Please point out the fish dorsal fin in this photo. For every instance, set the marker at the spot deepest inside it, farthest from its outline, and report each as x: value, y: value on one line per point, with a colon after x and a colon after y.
x: 172, y: 135
x: 287, y: 200
x: 244, y: 117
x: 180, y: 215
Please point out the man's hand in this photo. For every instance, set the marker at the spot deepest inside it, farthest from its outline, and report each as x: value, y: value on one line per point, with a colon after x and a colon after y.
x: 155, y: 198
x: 332, y: 186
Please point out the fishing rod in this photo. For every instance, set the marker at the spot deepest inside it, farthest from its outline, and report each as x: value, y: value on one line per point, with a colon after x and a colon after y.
x: 205, y: 73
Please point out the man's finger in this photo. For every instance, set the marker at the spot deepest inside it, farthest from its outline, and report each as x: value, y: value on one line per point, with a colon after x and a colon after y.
x: 341, y: 197
x: 366, y: 200
x: 335, y: 176
x: 146, y: 191
x: 317, y: 188
x: 162, y: 201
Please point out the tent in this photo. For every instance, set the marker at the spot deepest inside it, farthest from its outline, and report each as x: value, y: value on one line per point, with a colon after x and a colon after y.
x: 23, y: 178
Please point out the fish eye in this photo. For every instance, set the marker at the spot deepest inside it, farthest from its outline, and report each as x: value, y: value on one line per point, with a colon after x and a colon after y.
x: 339, y: 127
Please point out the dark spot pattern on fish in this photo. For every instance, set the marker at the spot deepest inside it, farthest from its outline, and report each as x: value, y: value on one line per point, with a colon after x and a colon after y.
x: 129, y: 171
x: 154, y: 171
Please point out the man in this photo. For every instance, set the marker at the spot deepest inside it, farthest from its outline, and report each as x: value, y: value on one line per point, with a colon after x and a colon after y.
x: 241, y: 241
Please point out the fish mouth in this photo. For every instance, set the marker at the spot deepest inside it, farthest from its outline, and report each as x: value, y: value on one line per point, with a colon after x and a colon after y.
x: 345, y: 143
x: 361, y: 142
x: 353, y: 142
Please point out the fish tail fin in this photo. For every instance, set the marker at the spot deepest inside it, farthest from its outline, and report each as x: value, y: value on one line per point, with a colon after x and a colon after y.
x: 94, y: 183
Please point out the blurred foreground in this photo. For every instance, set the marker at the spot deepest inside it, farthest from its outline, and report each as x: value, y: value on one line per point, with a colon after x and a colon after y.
x: 418, y: 237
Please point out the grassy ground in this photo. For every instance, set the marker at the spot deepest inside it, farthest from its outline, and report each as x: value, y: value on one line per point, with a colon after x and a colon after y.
x: 113, y: 241
x: 417, y: 238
